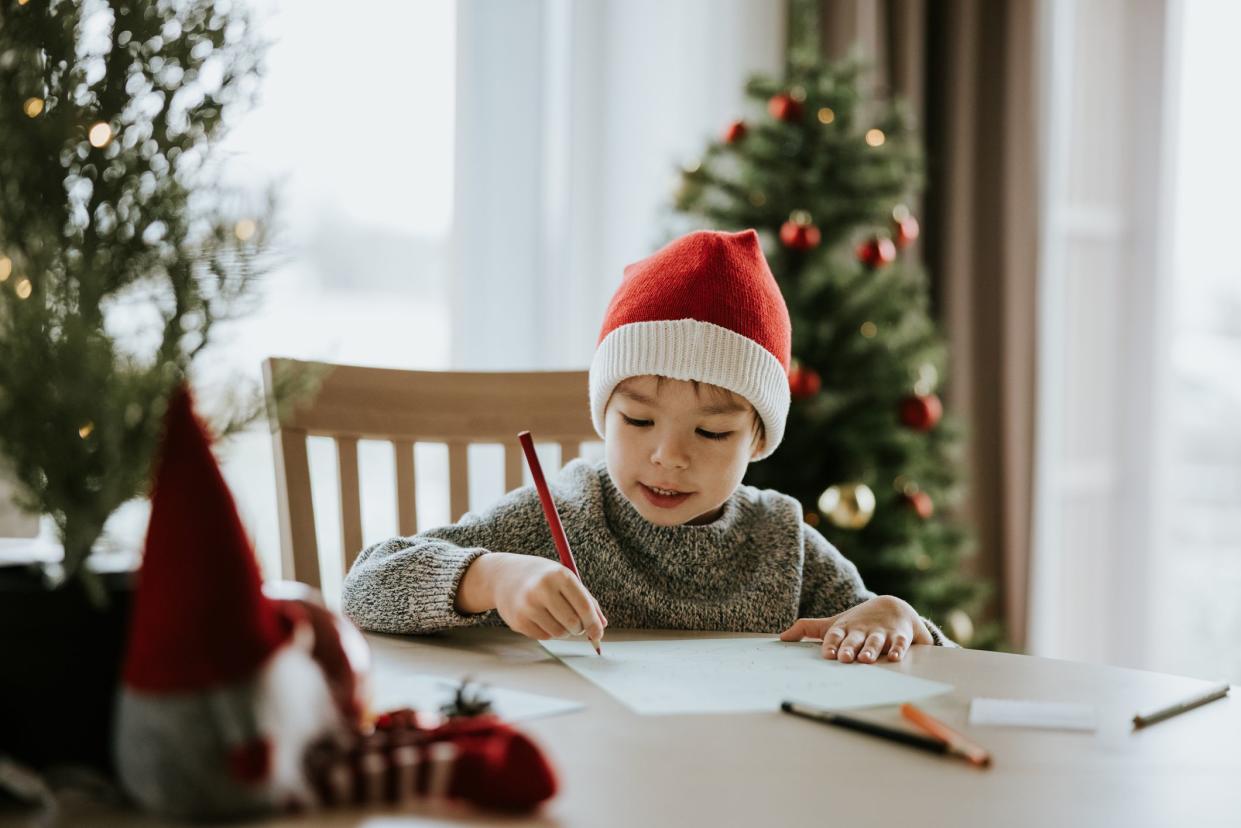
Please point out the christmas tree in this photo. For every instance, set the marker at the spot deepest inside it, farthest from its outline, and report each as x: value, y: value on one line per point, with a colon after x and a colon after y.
x: 119, y: 249
x: 828, y: 178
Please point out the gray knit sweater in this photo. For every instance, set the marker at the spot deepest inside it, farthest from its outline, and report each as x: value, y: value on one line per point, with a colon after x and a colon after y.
x: 757, y: 568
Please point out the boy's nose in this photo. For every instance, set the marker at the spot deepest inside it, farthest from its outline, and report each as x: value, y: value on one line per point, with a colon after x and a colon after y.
x: 670, y: 454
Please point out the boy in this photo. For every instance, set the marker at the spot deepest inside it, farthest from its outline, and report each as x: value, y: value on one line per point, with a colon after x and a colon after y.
x: 688, y: 385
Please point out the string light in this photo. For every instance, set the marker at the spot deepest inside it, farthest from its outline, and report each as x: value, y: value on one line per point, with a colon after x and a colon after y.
x: 869, y: 329
x: 826, y: 115
x: 245, y: 229
x: 758, y: 199
x: 875, y: 137
x: 798, y: 93
x: 33, y: 107
x: 693, y: 167
x: 23, y: 288
x: 86, y: 429
x: 22, y: 2
x: 100, y: 134
x: 6, y: 268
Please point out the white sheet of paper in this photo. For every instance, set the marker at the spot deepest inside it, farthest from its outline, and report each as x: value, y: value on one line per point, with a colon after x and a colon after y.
x: 429, y: 693
x: 727, y: 675
x: 1021, y: 713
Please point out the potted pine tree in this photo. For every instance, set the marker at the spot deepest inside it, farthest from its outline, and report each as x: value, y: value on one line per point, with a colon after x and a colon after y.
x: 119, y: 251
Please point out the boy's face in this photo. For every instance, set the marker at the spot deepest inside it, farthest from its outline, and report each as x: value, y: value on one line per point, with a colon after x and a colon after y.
x: 677, y: 452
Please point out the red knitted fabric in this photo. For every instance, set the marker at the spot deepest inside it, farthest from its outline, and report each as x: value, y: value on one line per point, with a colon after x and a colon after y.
x: 199, y: 617
x: 721, y: 278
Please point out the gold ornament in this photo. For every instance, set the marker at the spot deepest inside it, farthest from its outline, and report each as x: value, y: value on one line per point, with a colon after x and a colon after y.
x: 848, y: 505
x: 960, y: 626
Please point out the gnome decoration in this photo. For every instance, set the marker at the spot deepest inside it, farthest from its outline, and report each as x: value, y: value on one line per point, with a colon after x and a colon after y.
x: 241, y: 699
x: 223, y: 688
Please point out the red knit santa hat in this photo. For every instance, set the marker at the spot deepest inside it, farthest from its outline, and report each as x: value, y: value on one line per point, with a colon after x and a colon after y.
x: 199, y: 618
x: 705, y: 308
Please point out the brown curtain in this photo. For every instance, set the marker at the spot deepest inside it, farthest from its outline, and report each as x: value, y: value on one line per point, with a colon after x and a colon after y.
x: 970, y: 68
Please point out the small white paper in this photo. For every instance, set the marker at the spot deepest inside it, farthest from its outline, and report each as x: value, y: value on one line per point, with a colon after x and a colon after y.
x: 1021, y: 713
x: 430, y: 693
x: 733, y: 675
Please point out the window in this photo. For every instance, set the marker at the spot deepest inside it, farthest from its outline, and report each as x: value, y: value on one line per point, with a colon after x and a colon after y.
x: 1199, y: 562
x: 355, y: 124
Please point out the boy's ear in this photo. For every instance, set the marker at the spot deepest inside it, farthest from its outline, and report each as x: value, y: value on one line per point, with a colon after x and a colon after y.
x: 758, y: 447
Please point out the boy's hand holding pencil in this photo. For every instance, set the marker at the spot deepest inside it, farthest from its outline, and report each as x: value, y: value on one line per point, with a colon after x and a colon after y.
x: 536, y: 597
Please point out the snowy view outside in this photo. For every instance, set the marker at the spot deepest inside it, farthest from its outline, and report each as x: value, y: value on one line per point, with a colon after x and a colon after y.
x: 1196, y: 598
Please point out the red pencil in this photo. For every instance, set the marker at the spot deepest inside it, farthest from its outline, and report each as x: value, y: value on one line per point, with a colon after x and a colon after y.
x: 549, y: 512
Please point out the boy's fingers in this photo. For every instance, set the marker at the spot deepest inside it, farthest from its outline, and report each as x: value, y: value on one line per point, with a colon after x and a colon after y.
x: 531, y: 630
x: 545, y: 620
x: 807, y: 628
x: 585, y: 614
x: 848, y: 648
x: 897, y: 649
x: 831, y: 641
x: 561, y: 608
x: 873, y: 646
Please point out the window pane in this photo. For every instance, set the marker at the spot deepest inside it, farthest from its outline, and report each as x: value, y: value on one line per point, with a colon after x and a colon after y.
x: 354, y: 124
x: 1201, y: 560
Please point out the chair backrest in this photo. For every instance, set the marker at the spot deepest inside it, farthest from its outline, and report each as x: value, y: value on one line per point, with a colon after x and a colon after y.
x: 457, y: 408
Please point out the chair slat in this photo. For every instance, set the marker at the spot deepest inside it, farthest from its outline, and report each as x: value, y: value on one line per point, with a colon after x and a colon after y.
x: 299, y: 550
x: 350, y: 499
x: 569, y: 450
x: 458, y: 479
x: 514, y: 462
x: 406, y: 502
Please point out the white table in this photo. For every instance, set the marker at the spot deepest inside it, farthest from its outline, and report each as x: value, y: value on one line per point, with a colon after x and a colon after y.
x: 621, y: 769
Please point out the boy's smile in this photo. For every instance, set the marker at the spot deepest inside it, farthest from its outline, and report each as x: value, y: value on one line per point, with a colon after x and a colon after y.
x: 677, y: 450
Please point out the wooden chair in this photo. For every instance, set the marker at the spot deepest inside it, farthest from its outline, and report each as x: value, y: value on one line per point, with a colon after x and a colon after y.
x: 351, y: 403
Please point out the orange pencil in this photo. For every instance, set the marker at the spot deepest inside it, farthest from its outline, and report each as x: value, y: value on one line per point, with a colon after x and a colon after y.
x: 549, y: 512
x: 957, y: 743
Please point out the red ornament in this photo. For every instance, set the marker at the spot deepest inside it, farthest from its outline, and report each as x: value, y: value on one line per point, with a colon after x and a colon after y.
x: 804, y: 383
x: 921, y: 412
x: 735, y: 132
x: 921, y: 503
x: 799, y: 234
x: 785, y: 108
x: 906, y: 231
x: 876, y: 253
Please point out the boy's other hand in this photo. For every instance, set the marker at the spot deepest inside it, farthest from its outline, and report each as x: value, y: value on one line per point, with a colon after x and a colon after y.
x: 542, y: 599
x: 883, y: 625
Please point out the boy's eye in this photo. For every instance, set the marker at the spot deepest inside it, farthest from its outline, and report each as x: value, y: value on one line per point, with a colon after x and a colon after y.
x: 715, y: 435
x: 639, y: 423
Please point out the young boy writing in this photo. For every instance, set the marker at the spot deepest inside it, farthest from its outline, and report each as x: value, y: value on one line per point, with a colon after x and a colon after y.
x: 688, y: 385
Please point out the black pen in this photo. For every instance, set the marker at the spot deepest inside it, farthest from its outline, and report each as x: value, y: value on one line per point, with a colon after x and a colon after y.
x: 828, y: 717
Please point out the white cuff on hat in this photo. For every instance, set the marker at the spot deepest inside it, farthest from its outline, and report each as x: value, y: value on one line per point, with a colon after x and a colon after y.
x: 688, y: 349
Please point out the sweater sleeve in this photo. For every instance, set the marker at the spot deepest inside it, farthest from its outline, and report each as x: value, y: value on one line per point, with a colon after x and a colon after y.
x: 831, y: 583
x: 409, y: 584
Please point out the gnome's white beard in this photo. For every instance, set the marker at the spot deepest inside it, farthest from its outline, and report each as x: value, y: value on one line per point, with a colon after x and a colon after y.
x: 173, y: 749
x: 294, y: 705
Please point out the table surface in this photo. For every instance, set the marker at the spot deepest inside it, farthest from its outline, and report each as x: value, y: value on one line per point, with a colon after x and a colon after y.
x: 619, y: 768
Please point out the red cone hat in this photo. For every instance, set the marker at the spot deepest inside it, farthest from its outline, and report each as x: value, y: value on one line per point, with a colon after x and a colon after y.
x: 199, y: 618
